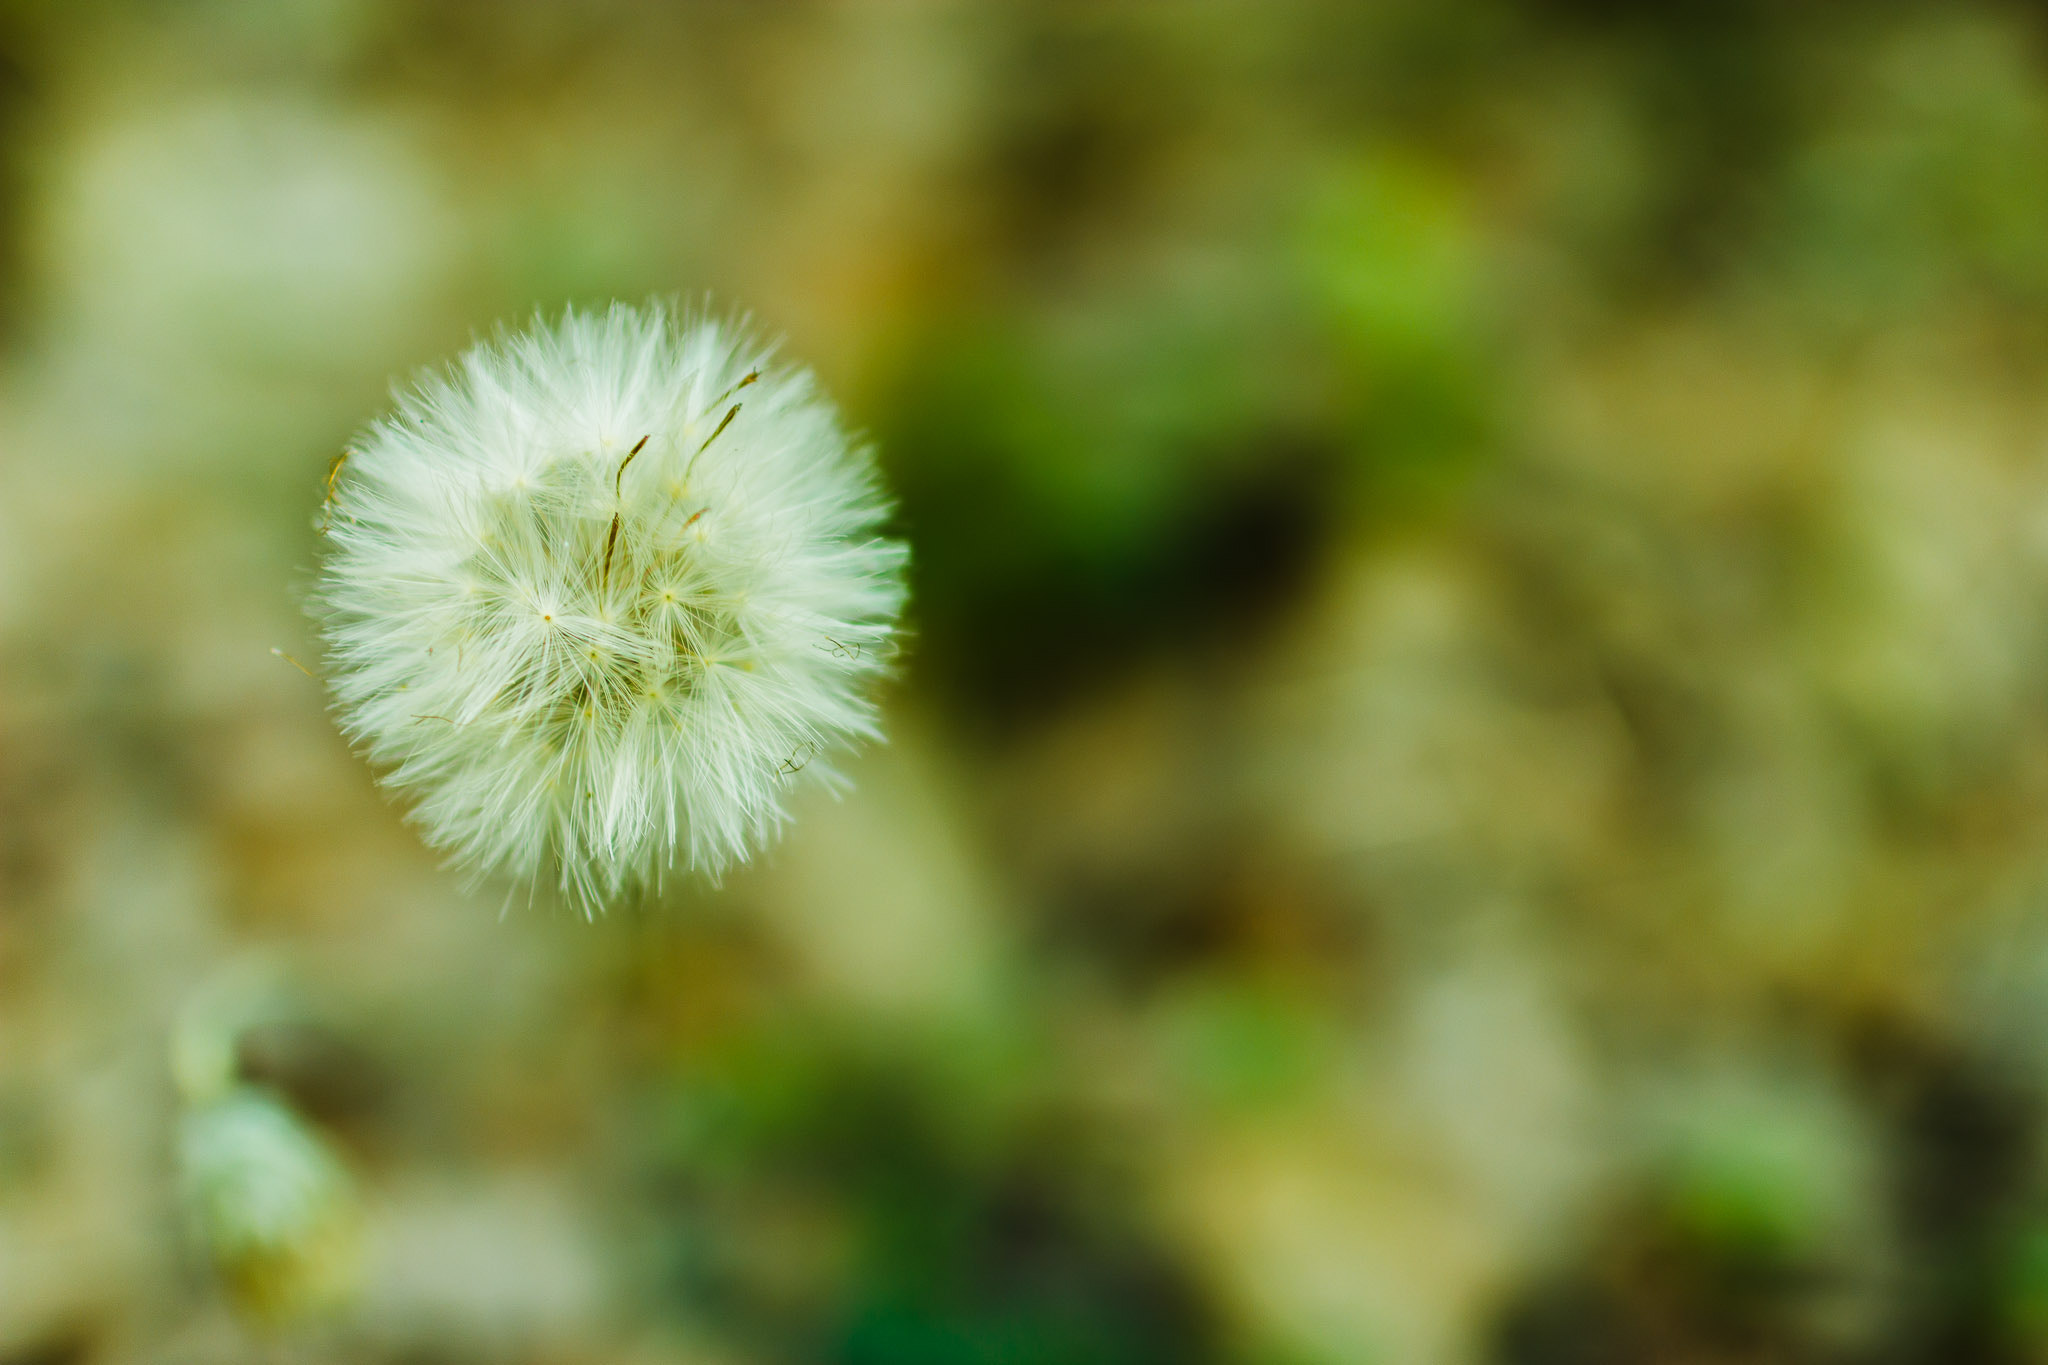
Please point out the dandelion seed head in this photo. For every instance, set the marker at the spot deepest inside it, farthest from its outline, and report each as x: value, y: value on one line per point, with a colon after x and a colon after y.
x: 269, y: 1202
x: 591, y: 589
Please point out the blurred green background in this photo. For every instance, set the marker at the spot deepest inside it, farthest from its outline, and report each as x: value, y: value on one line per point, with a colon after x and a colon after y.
x: 1469, y: 778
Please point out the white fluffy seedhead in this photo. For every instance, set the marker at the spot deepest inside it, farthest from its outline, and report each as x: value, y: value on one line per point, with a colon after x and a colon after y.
x: 597, y: 594
x: 270, y: 1202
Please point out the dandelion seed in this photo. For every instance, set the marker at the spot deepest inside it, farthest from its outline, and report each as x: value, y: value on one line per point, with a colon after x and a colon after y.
x: 593, y: 739
x: 293, y: 662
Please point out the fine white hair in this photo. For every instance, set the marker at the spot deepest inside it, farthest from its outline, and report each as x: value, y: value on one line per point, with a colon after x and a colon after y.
x: 600, y: 591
